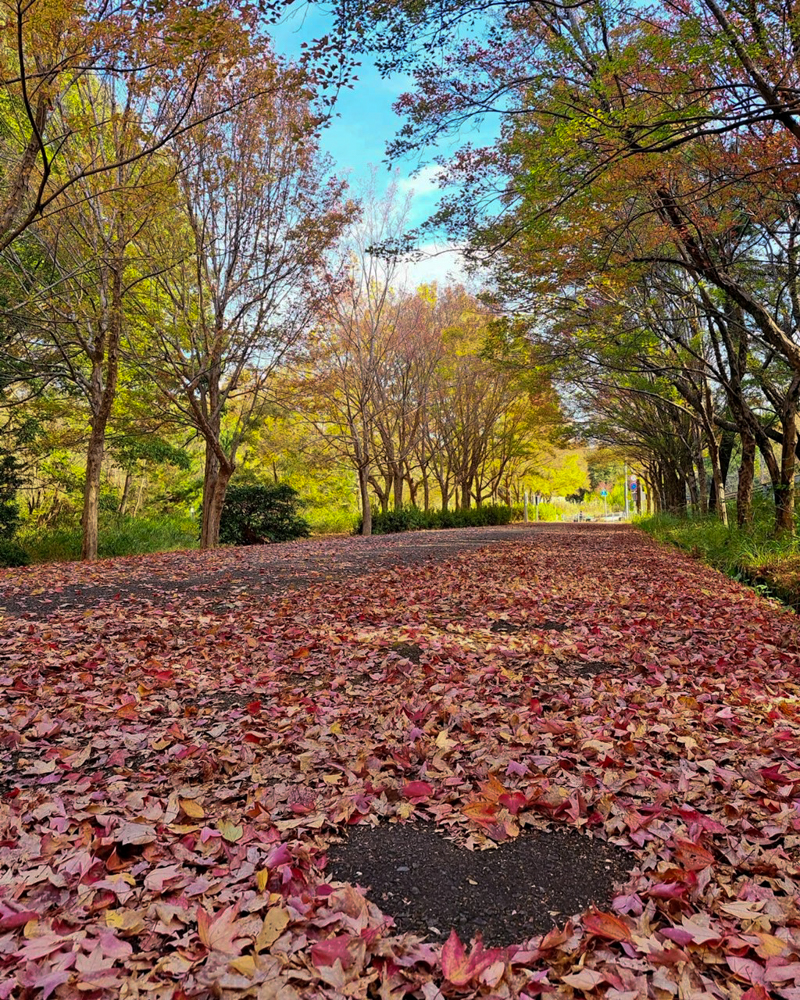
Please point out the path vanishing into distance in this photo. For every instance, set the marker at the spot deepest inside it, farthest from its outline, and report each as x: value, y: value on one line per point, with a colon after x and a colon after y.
x: 320, y: 769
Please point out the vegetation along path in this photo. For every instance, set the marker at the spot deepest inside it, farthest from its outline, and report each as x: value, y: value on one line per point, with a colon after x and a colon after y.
x: 191, y: 787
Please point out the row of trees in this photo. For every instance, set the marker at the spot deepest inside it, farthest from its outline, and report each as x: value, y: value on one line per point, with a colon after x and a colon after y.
x: 167, y: 224
x: 397, y: 384
x: 639, y: 211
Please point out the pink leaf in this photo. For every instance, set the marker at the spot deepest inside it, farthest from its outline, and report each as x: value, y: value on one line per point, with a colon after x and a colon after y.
x: 746, y: 969
x: 417, y: 790
x: 460, y: 968
x: 327, y: 952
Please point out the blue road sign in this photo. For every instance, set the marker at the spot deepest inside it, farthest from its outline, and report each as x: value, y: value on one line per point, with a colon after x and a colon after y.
x: 603, y: 493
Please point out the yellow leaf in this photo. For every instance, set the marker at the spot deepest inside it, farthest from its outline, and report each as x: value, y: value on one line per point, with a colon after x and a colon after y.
x: 336, y: 728
x: 121, y: 877
x: 230, y: 831
x: 31, y: 929
x: 331, y: 779
x: 245, y: 966
x: 262, y: 878
x: 275, y: 923
x: 192, y: 809
x: 770, y: 945
x: 444, y: 742
x: 129, y: 921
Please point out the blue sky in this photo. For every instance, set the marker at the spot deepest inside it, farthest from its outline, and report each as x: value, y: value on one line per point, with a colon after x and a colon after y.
x: 358, y: 137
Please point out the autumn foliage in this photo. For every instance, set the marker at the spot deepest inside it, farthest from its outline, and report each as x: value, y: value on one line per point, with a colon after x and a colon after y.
x: 175, y: 765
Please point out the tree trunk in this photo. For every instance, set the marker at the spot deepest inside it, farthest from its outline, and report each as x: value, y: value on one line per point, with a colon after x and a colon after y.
x: 726, y: 447
x: 91, y: 490
x: 366, y: 510
x: 215, y: 484
x: 691, y: 481
x: 126, y: 490
x: 720, y: 505
x: 784, y: 496
x: 744, y: 490
x: 702, y: 480
x: 397, y: 487
x: 105, y: 370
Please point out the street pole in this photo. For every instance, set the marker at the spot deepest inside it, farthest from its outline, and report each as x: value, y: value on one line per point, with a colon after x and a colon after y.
x: 627, y: 505
x: 525, y: 508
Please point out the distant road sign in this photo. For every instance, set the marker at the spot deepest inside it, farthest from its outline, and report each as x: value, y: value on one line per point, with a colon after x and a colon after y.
x: 603, y: 493
x: 633, y: 487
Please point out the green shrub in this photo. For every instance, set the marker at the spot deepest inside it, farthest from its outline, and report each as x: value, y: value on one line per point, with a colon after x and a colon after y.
x: 12, y: 554
x: 255, y: 514
x: 414, y: 519
x: 10, y: 482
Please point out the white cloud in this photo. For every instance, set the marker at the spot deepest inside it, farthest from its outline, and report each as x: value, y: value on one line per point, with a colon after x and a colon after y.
x: 443, y: 263
x: 423, y: 184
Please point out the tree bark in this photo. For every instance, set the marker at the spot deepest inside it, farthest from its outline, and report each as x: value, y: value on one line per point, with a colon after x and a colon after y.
x: 366, y: 510
x: 744, y: 490
x: 720, y: 505
x: 126, y: 491
x: 784, y: 494
x: 105, y: 371
x: 215, y: 484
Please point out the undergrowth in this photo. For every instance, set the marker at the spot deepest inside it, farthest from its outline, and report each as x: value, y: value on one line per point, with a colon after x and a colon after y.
x: 118, y: 536
x: 414, y: 519
x: 750, y: 554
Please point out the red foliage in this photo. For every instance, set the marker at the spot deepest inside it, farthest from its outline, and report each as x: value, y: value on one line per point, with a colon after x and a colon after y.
x: 171, y: 776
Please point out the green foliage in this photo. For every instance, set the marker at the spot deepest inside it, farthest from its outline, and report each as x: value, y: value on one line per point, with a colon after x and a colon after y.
x: 119, y: 536
x: 12, y: 554
x: 415, y: 519
x: 10, y: 482
x: 130, y: 450
x: 258, y: 513
x: 330, y: 522
x: 736, y: 551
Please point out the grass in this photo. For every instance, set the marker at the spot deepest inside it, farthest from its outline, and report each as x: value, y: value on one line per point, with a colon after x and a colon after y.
x: 751, y: 555
x: 118, y: 536
x: 330, y: 522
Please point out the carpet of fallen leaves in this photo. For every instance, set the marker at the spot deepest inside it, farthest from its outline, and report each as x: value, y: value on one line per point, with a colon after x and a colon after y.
x: 172, y: 780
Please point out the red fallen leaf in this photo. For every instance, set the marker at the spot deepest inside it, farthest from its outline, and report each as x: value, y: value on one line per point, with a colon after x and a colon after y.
x: 254, y: 707
x: 606, y: 925
x: 301, y: 652
x: 417, y: 790
x: 692, y: 856
x: 756, y: 993
x: 481, y: 811
x: 220, y: 932
x: 556, y: 937
x: 460, y: 968
x: 9, y: 919
x: 492, y: 789
x: 746, y: 969
x: 328, y: 951
x: 513, y: 801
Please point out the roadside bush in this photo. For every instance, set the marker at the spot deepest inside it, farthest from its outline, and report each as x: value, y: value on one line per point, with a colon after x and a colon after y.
x: 257, y: 513
x: 414, y: 519
x: 10, y: 481
x: 12, y: 554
